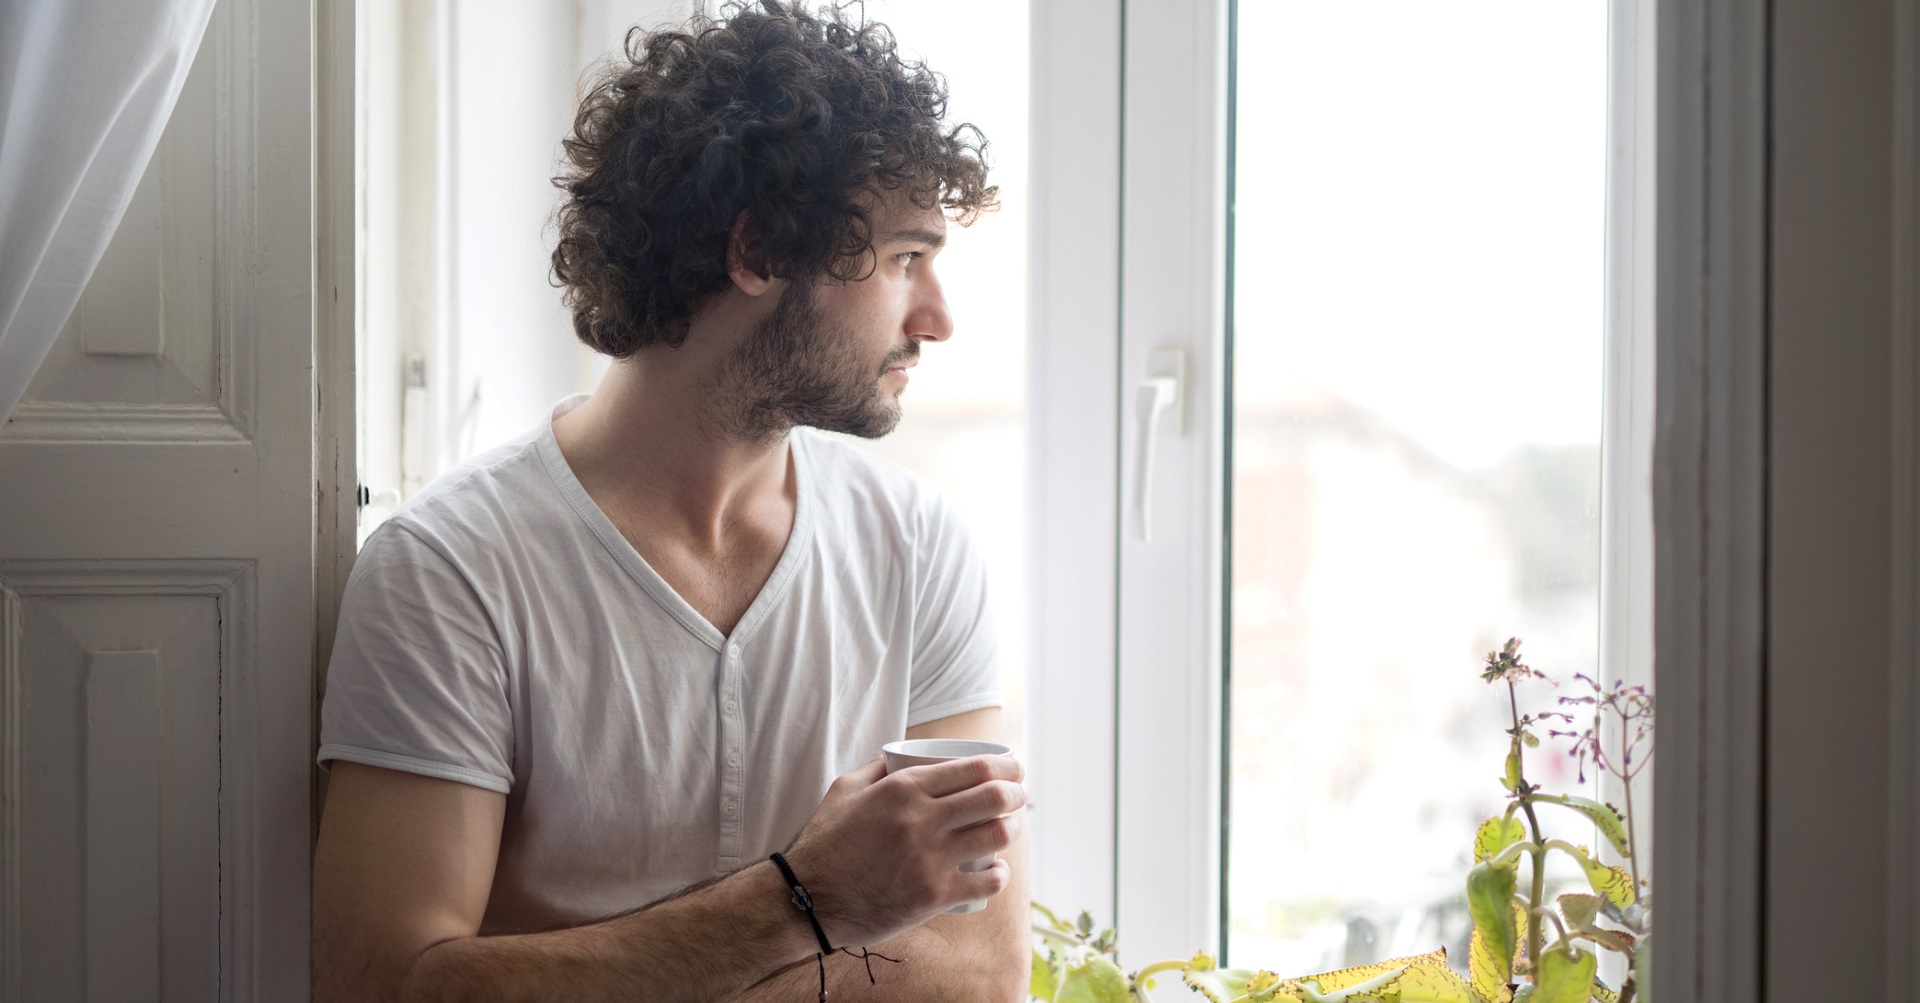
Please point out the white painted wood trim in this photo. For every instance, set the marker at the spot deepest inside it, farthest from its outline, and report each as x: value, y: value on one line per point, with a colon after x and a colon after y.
x: 1173, y: 296
x: 1627, y: 422
x: 1626, y: 496
x: 1709, y: 499
x: 1903, y: 798
x: 336, y: 300
x: 269, y: 751
x: 1074, y: 477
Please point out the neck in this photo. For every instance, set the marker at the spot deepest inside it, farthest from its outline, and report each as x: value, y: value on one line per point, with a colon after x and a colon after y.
x: 648, y: 450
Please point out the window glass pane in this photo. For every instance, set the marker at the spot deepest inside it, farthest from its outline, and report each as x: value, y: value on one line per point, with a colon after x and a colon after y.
x: 1417, y: 321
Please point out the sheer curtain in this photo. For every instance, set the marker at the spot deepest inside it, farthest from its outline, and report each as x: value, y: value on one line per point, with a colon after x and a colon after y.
x: 86, y: 87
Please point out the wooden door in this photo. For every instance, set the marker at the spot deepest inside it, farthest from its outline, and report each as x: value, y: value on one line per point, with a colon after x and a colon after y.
x: 157, y: 540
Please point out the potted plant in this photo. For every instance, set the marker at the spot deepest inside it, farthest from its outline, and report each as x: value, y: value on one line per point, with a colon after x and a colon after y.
x: 1524, y: 948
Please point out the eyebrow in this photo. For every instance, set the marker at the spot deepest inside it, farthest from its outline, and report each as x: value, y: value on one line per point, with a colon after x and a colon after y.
x: 921, y: 235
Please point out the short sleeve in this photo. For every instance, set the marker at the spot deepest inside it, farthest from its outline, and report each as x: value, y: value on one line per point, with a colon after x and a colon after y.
x: 956, y: 663
x: 418, y: 679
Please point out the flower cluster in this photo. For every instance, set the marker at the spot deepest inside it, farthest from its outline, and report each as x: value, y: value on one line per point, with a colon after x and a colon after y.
x: 1632, y: 706
x: 1505, y: 665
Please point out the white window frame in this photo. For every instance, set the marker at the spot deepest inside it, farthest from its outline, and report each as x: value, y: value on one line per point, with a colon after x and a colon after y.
x: 1125, y: 636
x: 1073, y: 247
x: 1173, y: 297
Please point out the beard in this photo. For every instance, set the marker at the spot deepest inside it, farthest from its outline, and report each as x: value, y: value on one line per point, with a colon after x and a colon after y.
x: 796, y: 367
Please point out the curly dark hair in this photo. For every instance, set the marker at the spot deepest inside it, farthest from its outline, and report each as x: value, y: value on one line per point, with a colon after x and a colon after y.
x: 795, y: 118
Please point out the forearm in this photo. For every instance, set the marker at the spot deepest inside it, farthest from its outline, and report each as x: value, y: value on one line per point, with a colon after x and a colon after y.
x: 980, y: 957
x: 709, y: 944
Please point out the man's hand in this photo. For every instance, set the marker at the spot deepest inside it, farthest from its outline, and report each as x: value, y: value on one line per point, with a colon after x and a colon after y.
x: 980, y: 957
x: 882, y: 854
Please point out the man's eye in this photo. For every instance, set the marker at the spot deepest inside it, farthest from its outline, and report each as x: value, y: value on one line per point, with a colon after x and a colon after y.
x: 907, y: 257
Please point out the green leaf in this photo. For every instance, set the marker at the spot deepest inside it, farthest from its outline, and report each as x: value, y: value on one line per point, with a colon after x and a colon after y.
x: 1489, y: 975
x: 1218, y: 985
x: 1423, y: 978
x: 1613, y: 882
x: 1042, y: 984
x: 1513, y: 767
x: 1425, y: 983
x: 1096, y: 981
x: 1580, y: 909
x: 1643, y: 970
x: 1497, y: 834
x: 1523, y: 994
x: 1565, y: 976
x: 1266, y: 987
x: 1085, y: 923
x: 1605, y: 817
x: 1490, y: 901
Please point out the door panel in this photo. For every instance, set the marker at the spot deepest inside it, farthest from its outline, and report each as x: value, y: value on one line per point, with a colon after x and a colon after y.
x: 156, y: 568
x: 118, y: 689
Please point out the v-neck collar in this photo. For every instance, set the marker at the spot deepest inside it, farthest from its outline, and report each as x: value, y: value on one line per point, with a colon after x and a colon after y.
x: 655, y: 586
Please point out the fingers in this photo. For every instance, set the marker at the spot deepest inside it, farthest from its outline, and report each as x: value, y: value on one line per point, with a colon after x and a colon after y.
x: 977, y: 804
x: 942, y: 779
x: 984, y: 839
x: 975, y: 885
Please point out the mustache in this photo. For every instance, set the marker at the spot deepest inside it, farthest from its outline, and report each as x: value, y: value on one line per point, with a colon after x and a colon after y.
x: 910, y: 352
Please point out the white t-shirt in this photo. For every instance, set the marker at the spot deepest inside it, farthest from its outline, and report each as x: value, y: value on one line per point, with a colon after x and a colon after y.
x: 499, y: 631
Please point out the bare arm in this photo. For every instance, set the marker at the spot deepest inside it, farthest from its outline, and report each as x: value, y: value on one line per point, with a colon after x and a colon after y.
x: 981, y: 957
x: 401, y: 878
x: 405, y: 864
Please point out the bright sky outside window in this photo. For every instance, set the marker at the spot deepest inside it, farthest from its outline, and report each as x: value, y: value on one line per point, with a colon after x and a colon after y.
x: 1418, y: 315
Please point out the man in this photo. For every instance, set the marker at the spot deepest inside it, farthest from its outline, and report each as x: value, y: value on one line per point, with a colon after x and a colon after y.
x: 587, y: 684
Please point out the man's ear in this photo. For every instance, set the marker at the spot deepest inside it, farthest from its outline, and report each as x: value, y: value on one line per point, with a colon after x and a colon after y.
x: 746, y: 265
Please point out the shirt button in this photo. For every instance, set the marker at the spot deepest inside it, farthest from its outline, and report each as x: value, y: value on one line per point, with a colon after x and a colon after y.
x: 731, y: 705
x: 733, y: 759
x: 731, y: 809
x: 733, y: 652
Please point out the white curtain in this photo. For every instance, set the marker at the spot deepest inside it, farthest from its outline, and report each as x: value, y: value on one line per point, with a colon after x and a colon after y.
x: 86, y: 87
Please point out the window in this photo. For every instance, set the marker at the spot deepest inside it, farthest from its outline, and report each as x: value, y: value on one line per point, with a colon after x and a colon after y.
x: 1429, y: 429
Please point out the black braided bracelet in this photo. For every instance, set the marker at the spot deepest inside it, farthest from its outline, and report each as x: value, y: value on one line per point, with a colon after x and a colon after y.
x: 802, y: 901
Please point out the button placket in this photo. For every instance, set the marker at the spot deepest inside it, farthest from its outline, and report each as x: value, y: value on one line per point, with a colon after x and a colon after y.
x: 732, y: 786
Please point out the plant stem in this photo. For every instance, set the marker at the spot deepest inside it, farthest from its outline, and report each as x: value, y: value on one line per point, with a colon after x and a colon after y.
x: 1157, y: 967
x: 1539, y: 890
x: 1633, y: 834
x: 1047, y: 933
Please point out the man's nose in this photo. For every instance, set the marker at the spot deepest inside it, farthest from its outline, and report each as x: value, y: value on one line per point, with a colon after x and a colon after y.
x: 929, y: 321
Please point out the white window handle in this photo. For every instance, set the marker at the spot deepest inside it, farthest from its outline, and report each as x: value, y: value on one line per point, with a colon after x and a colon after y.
x: 1159, y: 396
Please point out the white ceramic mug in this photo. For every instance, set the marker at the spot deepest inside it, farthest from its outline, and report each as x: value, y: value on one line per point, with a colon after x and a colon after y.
x: 926, y: 752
